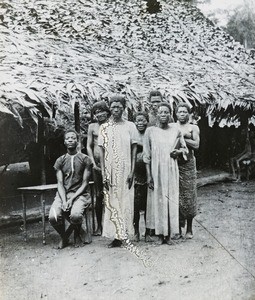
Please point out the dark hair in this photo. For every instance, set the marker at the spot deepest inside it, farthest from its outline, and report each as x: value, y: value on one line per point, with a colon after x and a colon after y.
x: 71, y: 130
x: 155, y: 93
x: 141, y: 113
x: 183, y: 104
x: 100, y: 105
x: 118, y: 98
x: 165, y: 104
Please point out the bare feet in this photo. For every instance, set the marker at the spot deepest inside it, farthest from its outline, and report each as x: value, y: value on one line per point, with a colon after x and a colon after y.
x: 63, y: 243
x: 78, y: 242
x: 97, y: 232
x: 159, y: 240
x: 189, y: 235
x: 176, y: 237
x: 115, y: 243
x: 137, y: 237
x: 149, y: 238
x: 169, y: 241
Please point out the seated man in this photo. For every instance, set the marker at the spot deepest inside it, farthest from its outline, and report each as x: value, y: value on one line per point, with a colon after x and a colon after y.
x: 73, y: 170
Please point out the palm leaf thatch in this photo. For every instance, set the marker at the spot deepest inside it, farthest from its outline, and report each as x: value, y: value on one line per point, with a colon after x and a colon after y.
x: 60, y: 52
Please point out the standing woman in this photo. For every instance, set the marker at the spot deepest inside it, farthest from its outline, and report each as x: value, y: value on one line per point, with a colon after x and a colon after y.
x: 102, y: 113
x: 187, y: 169
x: 118, y: 146
x: 160, y: 155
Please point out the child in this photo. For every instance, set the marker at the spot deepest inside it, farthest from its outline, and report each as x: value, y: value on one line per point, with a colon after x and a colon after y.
x: 141, y: 122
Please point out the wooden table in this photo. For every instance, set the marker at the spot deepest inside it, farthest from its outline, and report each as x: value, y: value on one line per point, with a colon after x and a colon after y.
x: 40, y: 191
x: 35, y: 190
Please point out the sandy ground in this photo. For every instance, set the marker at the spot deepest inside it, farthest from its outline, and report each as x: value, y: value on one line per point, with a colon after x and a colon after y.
x: 219, y: 263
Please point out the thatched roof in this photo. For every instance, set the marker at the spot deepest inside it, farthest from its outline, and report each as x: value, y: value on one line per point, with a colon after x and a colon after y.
x: 59, y: 51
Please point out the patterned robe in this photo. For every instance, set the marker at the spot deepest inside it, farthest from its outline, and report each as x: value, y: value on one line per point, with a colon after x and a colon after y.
x: 117, y: 139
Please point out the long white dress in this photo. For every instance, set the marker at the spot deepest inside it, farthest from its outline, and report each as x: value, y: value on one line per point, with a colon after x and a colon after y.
x: 116, y: 139
x: 163, y: 202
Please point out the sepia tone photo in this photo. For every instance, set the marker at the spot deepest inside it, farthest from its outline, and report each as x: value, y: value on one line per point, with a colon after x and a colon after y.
x: 127, y: 137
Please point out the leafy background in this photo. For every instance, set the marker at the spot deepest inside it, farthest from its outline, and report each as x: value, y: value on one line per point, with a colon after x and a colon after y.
x: 59, y: 52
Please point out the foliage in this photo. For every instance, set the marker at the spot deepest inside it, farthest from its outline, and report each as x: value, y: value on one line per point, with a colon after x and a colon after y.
x: 58, y: 52
x: 242, y: 24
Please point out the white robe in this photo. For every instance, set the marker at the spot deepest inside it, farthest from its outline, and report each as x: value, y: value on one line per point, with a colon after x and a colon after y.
x: 163, y: 202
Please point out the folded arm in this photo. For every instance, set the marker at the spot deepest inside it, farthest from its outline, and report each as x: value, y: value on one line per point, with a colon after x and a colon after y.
x: 194, y: 142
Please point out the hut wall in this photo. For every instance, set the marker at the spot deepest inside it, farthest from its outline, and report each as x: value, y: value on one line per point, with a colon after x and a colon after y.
x: 218, y: 145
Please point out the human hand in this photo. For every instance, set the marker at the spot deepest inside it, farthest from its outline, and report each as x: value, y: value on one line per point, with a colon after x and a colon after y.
x: 175, y: 153
x: 184, y: 153
x: 69, y: 204
x: 150, y: 183
x: 130, y: 180
x: 64, y: 205
x: 96, y: 168
x: 106, y: 183
x: 139, y: 157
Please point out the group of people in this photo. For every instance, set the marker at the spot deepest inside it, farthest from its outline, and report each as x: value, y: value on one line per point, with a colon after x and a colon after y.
x: 146, y: 165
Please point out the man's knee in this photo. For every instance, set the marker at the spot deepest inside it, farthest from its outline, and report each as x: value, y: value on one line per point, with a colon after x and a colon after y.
x: 56, y: 212
x: 78, y: 209
x: 76, y: 217
x: 55, y: 218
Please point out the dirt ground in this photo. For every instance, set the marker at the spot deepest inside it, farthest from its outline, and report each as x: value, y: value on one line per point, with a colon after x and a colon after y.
x: 219, y: 263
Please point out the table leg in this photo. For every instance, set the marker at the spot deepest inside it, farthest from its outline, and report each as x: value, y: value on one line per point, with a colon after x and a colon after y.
x: 24, y: 205
x: 43, y: 218
x: 88, y: 237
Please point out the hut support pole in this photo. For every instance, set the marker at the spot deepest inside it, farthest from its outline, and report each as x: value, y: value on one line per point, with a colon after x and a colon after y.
x: 77, y: 124
x: 41, y: 142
